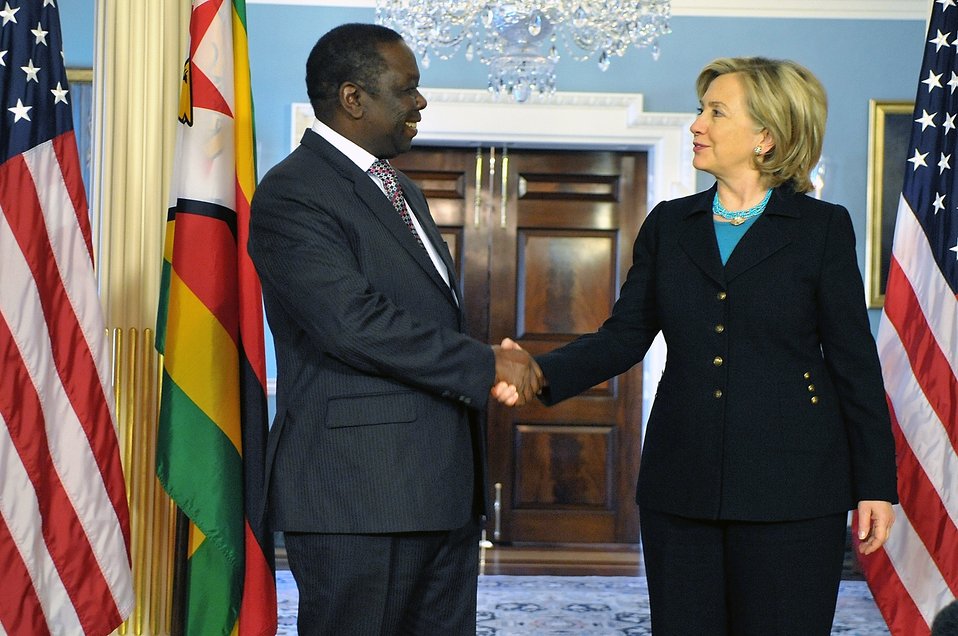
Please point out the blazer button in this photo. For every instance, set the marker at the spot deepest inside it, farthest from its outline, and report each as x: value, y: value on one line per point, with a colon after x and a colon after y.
x: 814, y: 399
x: 721, y: 295
x: 717, y: 393
x: 807, y: 375
x: 811, y: 388
x: 719, y: 328
x: 718, y: 361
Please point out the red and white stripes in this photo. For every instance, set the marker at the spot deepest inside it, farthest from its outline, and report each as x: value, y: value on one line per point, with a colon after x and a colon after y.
x: 916, y: 574
x: 64, y: 522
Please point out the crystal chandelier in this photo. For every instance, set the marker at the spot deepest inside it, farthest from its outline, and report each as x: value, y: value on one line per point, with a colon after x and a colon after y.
x: 518, y: 39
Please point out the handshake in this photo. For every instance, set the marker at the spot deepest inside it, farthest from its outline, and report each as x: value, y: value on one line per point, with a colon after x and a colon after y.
x: 518, y: 378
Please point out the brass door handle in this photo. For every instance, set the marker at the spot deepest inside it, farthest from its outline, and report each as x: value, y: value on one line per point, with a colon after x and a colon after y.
x: 497, y: 511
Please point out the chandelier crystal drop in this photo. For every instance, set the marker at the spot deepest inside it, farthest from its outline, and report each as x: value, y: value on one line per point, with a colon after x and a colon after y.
x: 517, y: 39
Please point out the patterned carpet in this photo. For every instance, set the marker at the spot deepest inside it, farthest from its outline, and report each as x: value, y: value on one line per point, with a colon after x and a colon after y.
x: 588, y: 606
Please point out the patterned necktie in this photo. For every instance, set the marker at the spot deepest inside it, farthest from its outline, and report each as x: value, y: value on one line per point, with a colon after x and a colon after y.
x: 387, y: 174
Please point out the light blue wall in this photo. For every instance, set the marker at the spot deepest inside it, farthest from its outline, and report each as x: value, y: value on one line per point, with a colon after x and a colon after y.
x: 857, y: 60
x: 76, y: 22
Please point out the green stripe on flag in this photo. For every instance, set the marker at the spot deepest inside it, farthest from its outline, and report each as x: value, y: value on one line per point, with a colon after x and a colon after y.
x: 215, y: 591
x: 201, y: 470
x: 240, y: 9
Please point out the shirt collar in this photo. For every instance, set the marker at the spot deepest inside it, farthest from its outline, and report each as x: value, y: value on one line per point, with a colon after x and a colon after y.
x: 353, y: 151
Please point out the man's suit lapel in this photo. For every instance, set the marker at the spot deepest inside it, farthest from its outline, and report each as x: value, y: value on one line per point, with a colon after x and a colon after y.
x: 373, y: 197
x: 370, y: 194
x: 417, y: 202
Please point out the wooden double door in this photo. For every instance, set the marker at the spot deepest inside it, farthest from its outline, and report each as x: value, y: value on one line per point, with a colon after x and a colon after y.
x: 542, y: 241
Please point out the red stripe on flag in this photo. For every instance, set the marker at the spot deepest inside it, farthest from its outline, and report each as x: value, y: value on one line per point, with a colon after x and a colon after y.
x: 65, y: 147
x: 62, y: 532
x: 198, y: 241
x: 925, y: 510
x: 895, y: 604
x: 20, y: 610
x: 928, y: 363
x: 250, y: 295
x: 71, y: 353
x: 258, y: 610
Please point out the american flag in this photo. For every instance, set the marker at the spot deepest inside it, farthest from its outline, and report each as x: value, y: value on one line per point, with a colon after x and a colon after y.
x: 64, y: 522
x: 916, y: 573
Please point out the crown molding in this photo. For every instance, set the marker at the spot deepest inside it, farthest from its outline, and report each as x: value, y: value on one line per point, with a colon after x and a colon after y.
x: 820, y: 9
x: 814, y: 9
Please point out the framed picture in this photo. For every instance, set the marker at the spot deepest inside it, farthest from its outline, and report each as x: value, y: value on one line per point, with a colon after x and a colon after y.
x: 81, y: 100
x: 301, y: 118
x: 889, y: 131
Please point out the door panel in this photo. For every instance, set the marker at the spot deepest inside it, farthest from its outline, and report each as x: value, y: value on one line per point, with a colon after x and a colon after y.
x: 447, y: 177
x: 545, y: 239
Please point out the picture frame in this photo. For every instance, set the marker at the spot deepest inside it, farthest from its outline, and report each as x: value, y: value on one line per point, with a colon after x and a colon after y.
x: 889, y: 132
x: 301, y: 118
x: 80, y: 98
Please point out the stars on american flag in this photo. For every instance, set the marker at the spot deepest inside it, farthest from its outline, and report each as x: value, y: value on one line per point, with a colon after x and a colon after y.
x: 60, y: 95
x: 39, y: 34
x: 926, y: 120
x: 31, y: 71
x: 933, y: 81
x: 8, y: 14
x: 933, y: 135
x: 944, y: 163
x: 940, y: 41
x: 20, y: 111
x: 939, y: 202
x: 33, y: 80
x: 918, y: 160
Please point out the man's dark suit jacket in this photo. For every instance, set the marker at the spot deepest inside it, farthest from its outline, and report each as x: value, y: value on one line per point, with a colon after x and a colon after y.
x: 377, y: 428
x: 771, y: 405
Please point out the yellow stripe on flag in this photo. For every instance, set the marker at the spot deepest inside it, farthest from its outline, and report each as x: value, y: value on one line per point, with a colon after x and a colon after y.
x: 196, y: 540
x: 168, y: 242
x: 243, y: 109
x: 211, y: 380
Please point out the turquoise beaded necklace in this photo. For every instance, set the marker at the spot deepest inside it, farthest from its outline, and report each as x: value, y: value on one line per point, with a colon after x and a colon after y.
x: 737, y: 218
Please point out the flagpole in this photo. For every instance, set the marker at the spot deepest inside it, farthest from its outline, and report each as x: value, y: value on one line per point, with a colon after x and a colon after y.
x: 179, y: 604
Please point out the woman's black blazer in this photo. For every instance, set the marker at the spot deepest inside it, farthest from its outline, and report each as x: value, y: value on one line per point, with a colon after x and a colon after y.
x: 771, y: 405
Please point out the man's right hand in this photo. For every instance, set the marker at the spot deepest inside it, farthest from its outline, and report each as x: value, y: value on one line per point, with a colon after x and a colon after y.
x: 518, y: 378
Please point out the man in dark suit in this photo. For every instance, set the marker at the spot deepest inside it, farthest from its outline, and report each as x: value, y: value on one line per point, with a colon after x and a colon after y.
x: 375, y: 458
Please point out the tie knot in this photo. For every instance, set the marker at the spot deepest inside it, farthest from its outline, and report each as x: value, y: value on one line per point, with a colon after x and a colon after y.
x: 381, y: 168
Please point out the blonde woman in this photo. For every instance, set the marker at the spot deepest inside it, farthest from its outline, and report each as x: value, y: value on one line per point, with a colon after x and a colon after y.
x: 770, y: 421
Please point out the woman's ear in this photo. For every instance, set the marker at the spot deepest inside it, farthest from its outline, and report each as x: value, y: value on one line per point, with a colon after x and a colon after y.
x: 768, y: 142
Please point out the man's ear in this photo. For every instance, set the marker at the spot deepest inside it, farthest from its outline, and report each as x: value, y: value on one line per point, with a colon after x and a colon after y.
x: 351, y: 99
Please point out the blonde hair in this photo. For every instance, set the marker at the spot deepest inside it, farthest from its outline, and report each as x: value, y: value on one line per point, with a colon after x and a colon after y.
x: 786, y: 99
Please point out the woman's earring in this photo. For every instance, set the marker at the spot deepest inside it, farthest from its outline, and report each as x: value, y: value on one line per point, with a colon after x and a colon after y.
x: 757, y: 150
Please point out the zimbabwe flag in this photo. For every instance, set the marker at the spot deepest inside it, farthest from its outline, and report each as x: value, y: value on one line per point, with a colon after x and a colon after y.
x: 212, y: 430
